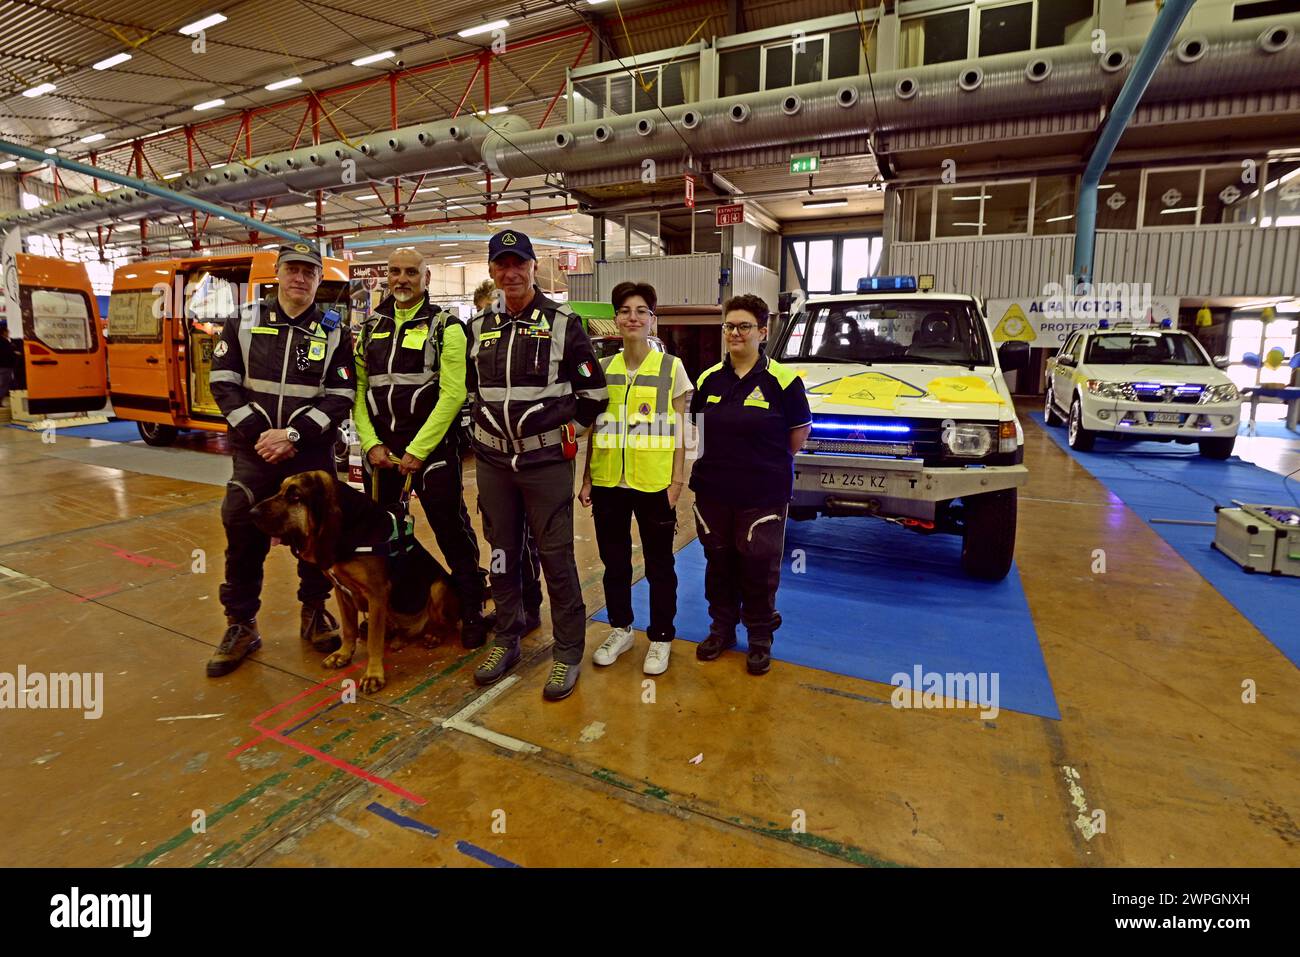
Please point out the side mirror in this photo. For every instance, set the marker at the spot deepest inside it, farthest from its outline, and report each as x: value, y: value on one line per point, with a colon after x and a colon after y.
x: 1065, y: 360
x: 1013, y: 356
x: 1222, y: 362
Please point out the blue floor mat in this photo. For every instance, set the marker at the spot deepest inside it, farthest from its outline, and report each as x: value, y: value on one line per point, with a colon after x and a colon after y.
x: 1164, y: 480
x: 1273, y: 430
x: 875, y: 600
x: 114, y: 431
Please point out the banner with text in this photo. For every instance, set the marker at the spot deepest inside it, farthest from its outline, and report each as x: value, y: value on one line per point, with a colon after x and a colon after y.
x: 1047, y: 321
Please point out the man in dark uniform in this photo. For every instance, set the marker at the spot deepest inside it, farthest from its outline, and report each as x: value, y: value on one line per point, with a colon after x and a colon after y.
x: 534, y: 378
x: 282, y: 375
x: 410, y: 365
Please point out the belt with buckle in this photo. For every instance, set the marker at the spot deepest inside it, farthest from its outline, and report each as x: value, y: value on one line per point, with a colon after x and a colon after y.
x: 529, y: 443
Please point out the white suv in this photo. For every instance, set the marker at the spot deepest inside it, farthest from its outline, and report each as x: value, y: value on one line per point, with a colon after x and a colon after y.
x: 912, y: 421
x: 1153, y: 383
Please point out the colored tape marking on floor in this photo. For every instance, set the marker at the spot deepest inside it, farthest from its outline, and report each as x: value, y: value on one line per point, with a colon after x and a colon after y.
x: 401, y: 820
x: 479, y: 854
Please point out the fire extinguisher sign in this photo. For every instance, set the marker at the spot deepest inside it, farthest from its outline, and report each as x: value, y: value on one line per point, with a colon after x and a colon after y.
x: 690, y: 191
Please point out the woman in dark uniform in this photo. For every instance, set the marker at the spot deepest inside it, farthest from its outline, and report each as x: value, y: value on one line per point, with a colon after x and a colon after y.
x: 753, y: 416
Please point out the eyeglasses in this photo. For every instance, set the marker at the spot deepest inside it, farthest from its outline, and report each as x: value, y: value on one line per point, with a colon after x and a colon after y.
x: 739, y: 328
x: 641, y: 313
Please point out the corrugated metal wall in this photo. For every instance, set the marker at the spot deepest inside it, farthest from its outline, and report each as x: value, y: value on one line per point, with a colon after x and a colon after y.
x: 988, y: 268
x: 1204, y: 262
x: 582, y: 287
x: 748, y: 277
x: 678, y: 280
x: 1231, y: 261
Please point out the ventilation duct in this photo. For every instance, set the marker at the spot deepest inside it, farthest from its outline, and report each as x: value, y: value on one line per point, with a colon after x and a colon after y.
x: 1235, y: 59
x: 445, y: 147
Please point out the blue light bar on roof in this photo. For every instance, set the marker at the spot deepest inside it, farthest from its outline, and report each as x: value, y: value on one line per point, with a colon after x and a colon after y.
x: 887, y: 284
x: 1103, y: 323
x: 1166, y: 323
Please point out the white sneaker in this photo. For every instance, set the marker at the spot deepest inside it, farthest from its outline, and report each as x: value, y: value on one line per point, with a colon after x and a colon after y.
x: 619, y: 641
x: 656, y: 659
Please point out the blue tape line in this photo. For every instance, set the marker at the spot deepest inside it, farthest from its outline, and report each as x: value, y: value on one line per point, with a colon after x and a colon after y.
x: 401, y: 820
x: 312, y: 717
x: 487, y: 857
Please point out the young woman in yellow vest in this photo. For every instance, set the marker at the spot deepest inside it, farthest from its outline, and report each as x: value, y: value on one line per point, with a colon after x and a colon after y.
x: 636, y: 466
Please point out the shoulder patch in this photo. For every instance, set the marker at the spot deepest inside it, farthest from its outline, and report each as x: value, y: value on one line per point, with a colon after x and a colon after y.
x: 220, y: 349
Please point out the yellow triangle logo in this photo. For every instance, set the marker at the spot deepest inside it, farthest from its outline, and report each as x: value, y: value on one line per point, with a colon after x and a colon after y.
x: 1013, y: 326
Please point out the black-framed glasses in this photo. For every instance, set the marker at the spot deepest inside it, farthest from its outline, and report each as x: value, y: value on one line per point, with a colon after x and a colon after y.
x: 739, y: 328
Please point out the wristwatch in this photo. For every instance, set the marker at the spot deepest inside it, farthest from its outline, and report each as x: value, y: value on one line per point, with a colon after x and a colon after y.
x: 293, y: 435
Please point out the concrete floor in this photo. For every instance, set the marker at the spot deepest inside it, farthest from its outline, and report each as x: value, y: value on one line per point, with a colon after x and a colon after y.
x: 265, y: 767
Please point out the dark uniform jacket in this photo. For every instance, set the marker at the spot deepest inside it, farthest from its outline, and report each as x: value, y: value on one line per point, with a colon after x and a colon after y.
x: 402, y: 364
x: 272, y: 373
x: 529, y: 375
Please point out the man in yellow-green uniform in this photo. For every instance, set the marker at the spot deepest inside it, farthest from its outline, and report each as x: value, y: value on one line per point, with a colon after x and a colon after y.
x: 410, y: 362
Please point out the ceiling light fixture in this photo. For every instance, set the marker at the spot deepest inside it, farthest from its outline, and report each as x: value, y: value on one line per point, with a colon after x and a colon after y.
x: 112, y: 61
x: 93, y: 138
x: 40, y: 90
x: 824, y: 203
x: 174, y: 175
x: 198, y: 26
x: 209, y: 104
x: 485, y: 28
x: 8, y: 164
x: 373, y: 58
x: 1058, y: 219
x: 281, y: 84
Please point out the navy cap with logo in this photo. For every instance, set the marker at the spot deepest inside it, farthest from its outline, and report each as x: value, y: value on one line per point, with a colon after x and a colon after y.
x: 299, y: 253
x: 510, y: 241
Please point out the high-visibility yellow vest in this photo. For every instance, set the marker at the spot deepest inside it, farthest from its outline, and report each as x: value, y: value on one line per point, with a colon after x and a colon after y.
x: 635, y: 436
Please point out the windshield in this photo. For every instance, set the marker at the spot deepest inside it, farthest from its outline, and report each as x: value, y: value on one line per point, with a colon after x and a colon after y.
x: 1137, y: 349
x: 898, y: 330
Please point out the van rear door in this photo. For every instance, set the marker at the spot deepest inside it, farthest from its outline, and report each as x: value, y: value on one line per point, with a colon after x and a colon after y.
x: 137, y: 358
x: 63, y: 350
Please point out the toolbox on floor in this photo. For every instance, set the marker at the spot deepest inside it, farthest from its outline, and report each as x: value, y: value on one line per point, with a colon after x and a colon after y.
x: 1260, y: 538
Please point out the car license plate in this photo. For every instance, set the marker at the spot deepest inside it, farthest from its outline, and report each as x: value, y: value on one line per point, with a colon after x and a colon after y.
x: 1173, y: 417
x: 852, y: 480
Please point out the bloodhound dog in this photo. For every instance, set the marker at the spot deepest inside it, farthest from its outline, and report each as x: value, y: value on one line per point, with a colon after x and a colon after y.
x: 380, y: 572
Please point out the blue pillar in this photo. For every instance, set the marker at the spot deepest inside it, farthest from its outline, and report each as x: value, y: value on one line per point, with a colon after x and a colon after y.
x: 1168, y: 20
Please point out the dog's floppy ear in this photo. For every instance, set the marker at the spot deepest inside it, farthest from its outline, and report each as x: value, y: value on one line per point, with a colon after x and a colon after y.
x: 321, y: 497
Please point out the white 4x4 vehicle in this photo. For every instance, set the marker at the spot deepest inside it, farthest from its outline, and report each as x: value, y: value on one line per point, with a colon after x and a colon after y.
x: 1152, y: 383
x: 912, y: 421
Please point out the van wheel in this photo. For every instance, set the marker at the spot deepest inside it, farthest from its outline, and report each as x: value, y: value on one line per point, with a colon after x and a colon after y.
x: 988, y: 540
x: 1081, y: 439
x: 155, y: 434
x: 1219, y: 448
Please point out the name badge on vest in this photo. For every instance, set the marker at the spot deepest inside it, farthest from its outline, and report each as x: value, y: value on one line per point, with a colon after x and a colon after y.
x: 414, y: 338
x: 316, y: 352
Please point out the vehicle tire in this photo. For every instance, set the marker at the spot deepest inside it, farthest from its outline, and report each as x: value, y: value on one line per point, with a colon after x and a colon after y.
x: 1080, y: 438
x: 1218, y: 448
x: 1050, y: 415
x: 155, y: 434
x: 988, y: 540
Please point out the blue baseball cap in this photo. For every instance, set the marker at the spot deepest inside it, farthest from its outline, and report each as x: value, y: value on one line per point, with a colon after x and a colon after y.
x: 510, y: 241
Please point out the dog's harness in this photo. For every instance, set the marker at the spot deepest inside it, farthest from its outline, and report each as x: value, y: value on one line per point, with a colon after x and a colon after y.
x: 402, y: 539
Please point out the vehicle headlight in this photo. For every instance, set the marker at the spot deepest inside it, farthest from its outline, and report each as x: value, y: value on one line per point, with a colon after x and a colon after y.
x: 1109, y: 390
x: 969, y: 440
x: 1220, y: 393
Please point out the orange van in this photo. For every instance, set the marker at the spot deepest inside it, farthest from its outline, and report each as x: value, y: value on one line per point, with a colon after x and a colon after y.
x: 163, y: 320
x: 63, y: 348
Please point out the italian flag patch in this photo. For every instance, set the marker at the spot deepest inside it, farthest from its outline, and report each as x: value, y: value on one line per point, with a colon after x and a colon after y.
x: 585, y: 370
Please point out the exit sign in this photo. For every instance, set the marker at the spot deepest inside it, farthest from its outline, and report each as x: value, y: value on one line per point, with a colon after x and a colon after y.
x: 729, y: 215
x: 805, y: 163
